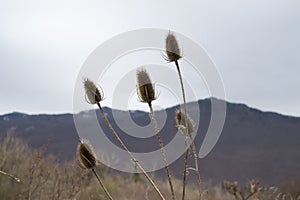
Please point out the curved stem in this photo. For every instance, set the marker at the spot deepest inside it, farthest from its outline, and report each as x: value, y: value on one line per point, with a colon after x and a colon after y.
x: 102, y: 184
x: 162, y: 149
x: 130, y: 154
x: 182, y: 88
x: 189, y: 134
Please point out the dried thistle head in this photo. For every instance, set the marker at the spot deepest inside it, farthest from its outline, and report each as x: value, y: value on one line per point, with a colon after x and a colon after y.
x: 86, y: 155
x: 172, y: 48
x: 92, y: 92
x: 146, y: 92
x: 184, y: 122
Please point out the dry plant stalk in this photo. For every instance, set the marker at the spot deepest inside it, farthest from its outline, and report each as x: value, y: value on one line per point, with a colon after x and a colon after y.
x: 11, y: 176
x: 94, y: 96
x: 184, y: 123
x: 146, y: 94
x: 173, y: 55
x: 36, y: 174
x: 87, y: 160
x: 41, y: 174
x: 245, y: 192
x: 186, y: 127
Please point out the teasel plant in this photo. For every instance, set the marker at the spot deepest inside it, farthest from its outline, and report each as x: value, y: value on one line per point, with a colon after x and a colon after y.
x: 94, y: 95
x: 186, y: 127
x: 147, y: 94
x: 87, y: 160
x: 173, y: 54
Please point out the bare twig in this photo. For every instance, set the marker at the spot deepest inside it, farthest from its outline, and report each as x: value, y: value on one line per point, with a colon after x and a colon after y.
x: 162, y: 149
x: 130, y: 154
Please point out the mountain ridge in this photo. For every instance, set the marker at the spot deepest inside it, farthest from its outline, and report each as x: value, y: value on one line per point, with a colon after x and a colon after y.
x: 253, y: 143
x: 124, y: 110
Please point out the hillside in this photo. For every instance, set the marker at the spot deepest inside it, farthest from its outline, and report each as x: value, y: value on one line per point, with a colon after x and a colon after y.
x: 253, y: 143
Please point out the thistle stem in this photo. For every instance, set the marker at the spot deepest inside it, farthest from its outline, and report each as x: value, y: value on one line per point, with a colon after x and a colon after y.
x: 130, y: 154
x: 162, y: 149
x: 102, y: 185
x: 189, y: 134
x: 185, y: 169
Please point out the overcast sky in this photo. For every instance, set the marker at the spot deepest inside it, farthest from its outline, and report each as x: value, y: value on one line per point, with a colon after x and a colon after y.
x: 254, y: 43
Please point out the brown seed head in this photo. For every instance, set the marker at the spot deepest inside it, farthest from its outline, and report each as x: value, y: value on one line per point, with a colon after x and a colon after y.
x: 184, y: 122
x: 172, y: 48
x: 92, y: 92
x: 146, y: 92
x: 86, y: 155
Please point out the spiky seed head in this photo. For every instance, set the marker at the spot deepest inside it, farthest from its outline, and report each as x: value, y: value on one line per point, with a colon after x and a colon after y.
x: 146, y: 92
x: 172, y: 48
x: 86, y: 155
x: 184, y: 123
x: 92, y: 92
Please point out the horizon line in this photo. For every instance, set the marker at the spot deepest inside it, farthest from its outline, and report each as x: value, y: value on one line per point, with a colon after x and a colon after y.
x: 124, y: 110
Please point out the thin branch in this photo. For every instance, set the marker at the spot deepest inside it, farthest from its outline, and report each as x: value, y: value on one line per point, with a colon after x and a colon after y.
x: 162, y: 149
x: 189, y: 134
x: 185, y: 169
x: 102, y: 185
x: 130, y: 154
x: 11, y: 176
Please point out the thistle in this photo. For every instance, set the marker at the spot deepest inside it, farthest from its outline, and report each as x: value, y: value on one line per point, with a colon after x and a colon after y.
x: 172, y: 48
x: 94, y: 96
x: 86, y: 155
x: 146, y: 94
x: 173, y: 55
x: 87, y: 159
x: 184, y: 123
x: 92, y: 92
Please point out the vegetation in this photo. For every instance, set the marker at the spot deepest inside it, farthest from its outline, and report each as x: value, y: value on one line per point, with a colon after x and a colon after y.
x: 42, y: 177
x: 30, y: 174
